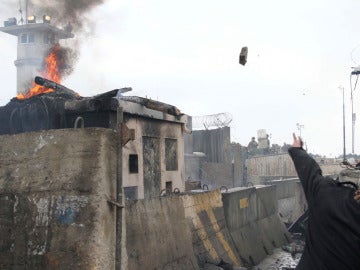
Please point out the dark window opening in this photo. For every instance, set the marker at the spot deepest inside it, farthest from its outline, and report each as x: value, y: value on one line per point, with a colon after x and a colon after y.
x: 168, y: 186
x: 131, y: 193
x: 49, y: 38
x: 133, y: 164
x: 171, y: 154
x: 46, y: 38
x: 23, y: 38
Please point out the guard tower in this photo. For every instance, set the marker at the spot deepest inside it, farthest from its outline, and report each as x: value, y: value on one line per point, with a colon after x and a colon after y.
x: 35, y: 39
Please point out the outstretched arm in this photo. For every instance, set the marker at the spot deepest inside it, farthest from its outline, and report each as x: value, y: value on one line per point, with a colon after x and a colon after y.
x: 307, y: 169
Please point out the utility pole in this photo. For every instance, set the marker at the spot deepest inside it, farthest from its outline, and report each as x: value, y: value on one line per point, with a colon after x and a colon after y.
x: 299, y: 127
x: 353, y: 118
x: 356, y: 72
x: 343, y: 94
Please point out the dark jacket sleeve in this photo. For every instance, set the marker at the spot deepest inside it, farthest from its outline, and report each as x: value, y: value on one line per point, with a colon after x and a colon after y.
x: 308, y: 171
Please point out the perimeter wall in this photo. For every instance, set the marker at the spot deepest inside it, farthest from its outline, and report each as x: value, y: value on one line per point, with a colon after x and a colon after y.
x: 55, y: 188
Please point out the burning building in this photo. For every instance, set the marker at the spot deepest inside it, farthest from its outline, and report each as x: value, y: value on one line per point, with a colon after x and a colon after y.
x: 151, y: 131
x: 37, y: 41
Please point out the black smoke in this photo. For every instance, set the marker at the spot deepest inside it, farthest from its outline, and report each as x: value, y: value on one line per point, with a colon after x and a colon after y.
x: 64, y: 12
x: 71, y: 15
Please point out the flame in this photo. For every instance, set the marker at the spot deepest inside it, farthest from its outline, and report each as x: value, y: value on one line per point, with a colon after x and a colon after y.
x: 51, y: 72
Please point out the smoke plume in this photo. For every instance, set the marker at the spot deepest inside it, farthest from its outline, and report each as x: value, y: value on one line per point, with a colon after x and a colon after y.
x: 71, y: 15
x: 67, y: 11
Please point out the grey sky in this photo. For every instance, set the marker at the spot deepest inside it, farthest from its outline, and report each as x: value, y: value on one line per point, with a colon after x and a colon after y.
x: 186, y: 53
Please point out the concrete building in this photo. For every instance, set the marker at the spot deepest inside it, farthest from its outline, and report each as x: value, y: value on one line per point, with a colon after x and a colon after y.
x: 35, y: 39
x: 152, y: 155
x: 154, y: 160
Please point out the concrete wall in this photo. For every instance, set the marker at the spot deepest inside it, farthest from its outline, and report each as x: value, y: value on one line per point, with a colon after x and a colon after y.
x: 300, y: 202
x: 260, y: 168
x: 193, y: 164
x: 53, y: 199
x: 210, y: 237
x: 216, y: 175
x: 214, y: 143
x: 178, y: 232
x: 223, y: 164
x: 238, y: 161
x: 289, y: 196
x: 274, y: 167
x: 54, y: 212
x: 254, y: 224
x: 158, y: 236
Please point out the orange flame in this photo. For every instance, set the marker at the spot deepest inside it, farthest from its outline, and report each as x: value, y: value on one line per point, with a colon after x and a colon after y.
x: 51, y: 73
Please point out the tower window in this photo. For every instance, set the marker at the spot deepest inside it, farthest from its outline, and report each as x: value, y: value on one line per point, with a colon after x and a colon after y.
x: 46, y: 38
x: 27, y: 38
x: 49, y: 38
x: 31, y: 38
x: 23, y: 38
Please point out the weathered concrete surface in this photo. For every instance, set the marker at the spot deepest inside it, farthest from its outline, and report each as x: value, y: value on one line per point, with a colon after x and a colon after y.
x: 54, y: 213
x: 280, y: 166
x: 215, y: 143
x: 216, y: 175
x: 211, y: 239
x: 53, y: 199
x: 286, y: 197
x: 158, y: 236
x: 254, y: 224
x: 149, y: 145
x: 262, y: 168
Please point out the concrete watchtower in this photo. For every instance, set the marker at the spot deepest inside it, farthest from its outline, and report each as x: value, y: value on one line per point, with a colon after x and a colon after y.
x: 35, y: 39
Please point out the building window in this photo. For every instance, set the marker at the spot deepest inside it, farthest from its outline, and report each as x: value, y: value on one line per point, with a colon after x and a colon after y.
x: 27, y: 38
x: 168, y: 186
x: 49, y: 38
x: 31, y: 38
x: 46, y: 38
x: 23, y: 38
x: 131, y: 193
x: 171, y: 154
x: 133, y: 164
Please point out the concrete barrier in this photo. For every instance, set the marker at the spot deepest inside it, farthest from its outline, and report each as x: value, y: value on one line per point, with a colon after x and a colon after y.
x: 210, y: 236
x: 291, y: 199
x: 254, y: 224
x: 285, y: 195
x: 158, y: 236
x: 53, y: 208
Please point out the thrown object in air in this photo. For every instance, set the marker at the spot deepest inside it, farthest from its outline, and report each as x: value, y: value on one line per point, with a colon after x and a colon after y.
x: 243, y: 56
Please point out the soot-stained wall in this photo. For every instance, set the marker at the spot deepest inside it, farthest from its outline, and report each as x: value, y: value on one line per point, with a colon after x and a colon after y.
x: 54, y: 187
x: 159, y: 148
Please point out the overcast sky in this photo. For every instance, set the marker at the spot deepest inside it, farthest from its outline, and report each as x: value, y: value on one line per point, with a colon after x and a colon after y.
x: 185, y: 53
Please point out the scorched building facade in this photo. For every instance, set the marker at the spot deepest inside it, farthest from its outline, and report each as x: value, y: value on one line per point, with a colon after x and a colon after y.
x: 152, y: 152
x: 153, y: 162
